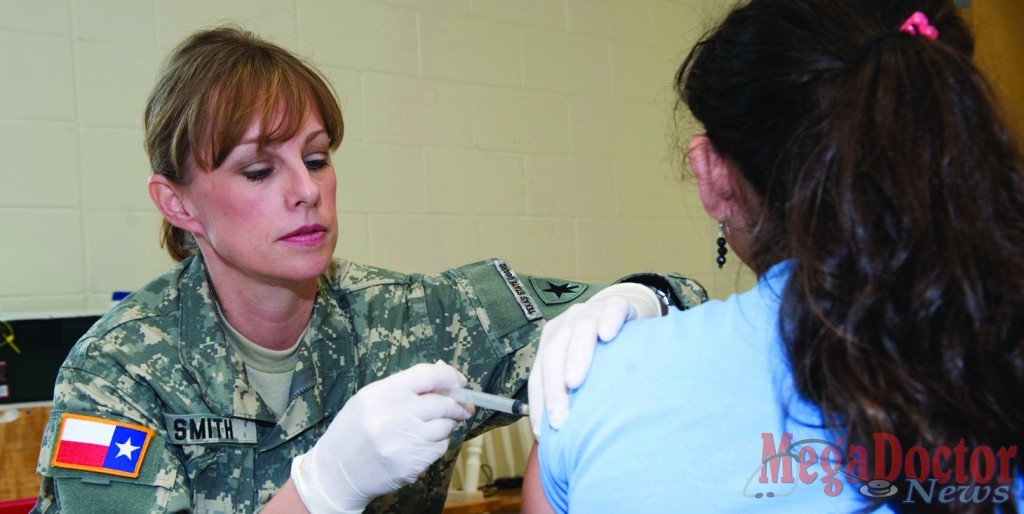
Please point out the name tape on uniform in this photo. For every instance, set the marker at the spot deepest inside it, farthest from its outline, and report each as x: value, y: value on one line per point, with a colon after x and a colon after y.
x: 207, y: 429
x: 520, y: 293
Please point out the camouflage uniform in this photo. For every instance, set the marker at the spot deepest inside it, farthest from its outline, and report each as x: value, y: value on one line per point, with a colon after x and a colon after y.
x: 159, y: 359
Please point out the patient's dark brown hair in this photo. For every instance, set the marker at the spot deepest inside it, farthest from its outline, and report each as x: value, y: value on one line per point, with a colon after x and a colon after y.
x: 888, y: 177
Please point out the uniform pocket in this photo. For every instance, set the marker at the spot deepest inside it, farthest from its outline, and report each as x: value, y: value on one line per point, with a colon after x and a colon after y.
x: 221, y: 480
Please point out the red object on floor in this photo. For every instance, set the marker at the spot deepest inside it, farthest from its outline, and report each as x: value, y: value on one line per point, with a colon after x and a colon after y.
x: 19, y: 506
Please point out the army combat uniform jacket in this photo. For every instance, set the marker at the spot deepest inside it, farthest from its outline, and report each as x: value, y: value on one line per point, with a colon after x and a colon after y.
x: 153, y: 411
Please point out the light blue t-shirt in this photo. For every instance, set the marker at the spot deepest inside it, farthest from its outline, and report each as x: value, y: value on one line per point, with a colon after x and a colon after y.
x: 680, y: 413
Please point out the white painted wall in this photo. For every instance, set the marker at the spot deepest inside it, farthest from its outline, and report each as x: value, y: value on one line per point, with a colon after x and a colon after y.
x: 535, y: 130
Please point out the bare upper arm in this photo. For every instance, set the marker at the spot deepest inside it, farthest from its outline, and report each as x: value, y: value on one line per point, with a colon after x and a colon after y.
x: 534, y: 499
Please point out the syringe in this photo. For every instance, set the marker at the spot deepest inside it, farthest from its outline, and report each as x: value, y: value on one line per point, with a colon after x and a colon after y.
x: 488, y: 401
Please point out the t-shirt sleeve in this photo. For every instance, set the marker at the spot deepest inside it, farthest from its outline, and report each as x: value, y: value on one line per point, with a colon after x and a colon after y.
x: 554, y: 472
x: 614, y: 452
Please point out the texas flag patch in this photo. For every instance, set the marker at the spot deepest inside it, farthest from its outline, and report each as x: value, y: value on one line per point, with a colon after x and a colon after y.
x: 101, y: 445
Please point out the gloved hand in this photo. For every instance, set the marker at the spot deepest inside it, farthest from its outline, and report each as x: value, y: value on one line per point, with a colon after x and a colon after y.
x: 383, y: 438
x: 568, y: 341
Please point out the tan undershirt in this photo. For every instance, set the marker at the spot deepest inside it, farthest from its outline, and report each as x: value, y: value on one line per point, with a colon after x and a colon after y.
x: 270, y: 371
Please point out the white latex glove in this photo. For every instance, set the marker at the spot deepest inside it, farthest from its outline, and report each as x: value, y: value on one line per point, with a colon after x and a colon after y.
x: 568, y: 341
x: 383, y: 438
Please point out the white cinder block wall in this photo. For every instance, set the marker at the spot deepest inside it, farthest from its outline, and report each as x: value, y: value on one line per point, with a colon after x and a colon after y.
x: 535, y: 130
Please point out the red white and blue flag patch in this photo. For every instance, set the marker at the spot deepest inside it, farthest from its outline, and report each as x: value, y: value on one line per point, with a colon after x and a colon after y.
x: 101, y: 445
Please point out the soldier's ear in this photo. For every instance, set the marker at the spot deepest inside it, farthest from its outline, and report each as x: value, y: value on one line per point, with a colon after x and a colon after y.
x: 172, y: 202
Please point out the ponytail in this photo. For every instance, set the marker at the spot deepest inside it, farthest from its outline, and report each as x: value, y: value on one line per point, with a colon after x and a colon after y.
x: 889, y: 178
x: 178, y: 242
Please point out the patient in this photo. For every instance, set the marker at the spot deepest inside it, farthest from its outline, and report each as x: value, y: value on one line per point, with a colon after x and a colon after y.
x: 856, y: 161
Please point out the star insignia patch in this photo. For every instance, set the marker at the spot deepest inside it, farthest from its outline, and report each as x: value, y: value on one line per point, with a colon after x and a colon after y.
x: 553, y: 291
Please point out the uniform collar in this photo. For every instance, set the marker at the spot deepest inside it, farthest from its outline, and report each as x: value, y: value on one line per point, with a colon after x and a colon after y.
x: 219, y: 370
x: 206, y: 354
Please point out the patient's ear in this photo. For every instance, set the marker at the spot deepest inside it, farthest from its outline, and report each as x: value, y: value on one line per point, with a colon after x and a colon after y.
x: 719, y: 181
x: 171, y: 203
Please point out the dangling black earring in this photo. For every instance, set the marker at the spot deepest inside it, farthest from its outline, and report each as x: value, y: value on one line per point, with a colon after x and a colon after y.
x: 722, y: 250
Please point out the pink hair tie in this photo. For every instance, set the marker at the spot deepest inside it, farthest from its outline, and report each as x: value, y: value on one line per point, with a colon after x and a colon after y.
x: 918, y: 25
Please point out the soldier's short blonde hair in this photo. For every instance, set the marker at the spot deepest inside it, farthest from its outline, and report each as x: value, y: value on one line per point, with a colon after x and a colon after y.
x: 213, y: 85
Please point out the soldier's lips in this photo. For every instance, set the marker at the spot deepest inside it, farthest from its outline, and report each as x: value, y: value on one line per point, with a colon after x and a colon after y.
x: 307, y: 235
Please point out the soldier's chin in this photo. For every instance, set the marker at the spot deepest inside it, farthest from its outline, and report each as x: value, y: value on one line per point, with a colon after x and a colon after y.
x: 309, y: 268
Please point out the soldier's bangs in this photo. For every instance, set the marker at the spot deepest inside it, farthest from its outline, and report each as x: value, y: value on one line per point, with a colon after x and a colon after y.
x: 279, y: 106
x: 277, y: 93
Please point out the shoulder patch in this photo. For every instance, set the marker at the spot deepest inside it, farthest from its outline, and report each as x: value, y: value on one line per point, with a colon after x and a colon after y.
x: 101, y: 445
x: 554, y: 291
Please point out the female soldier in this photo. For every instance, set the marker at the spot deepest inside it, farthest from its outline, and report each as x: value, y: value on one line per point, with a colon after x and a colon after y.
x: 259, y: 372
